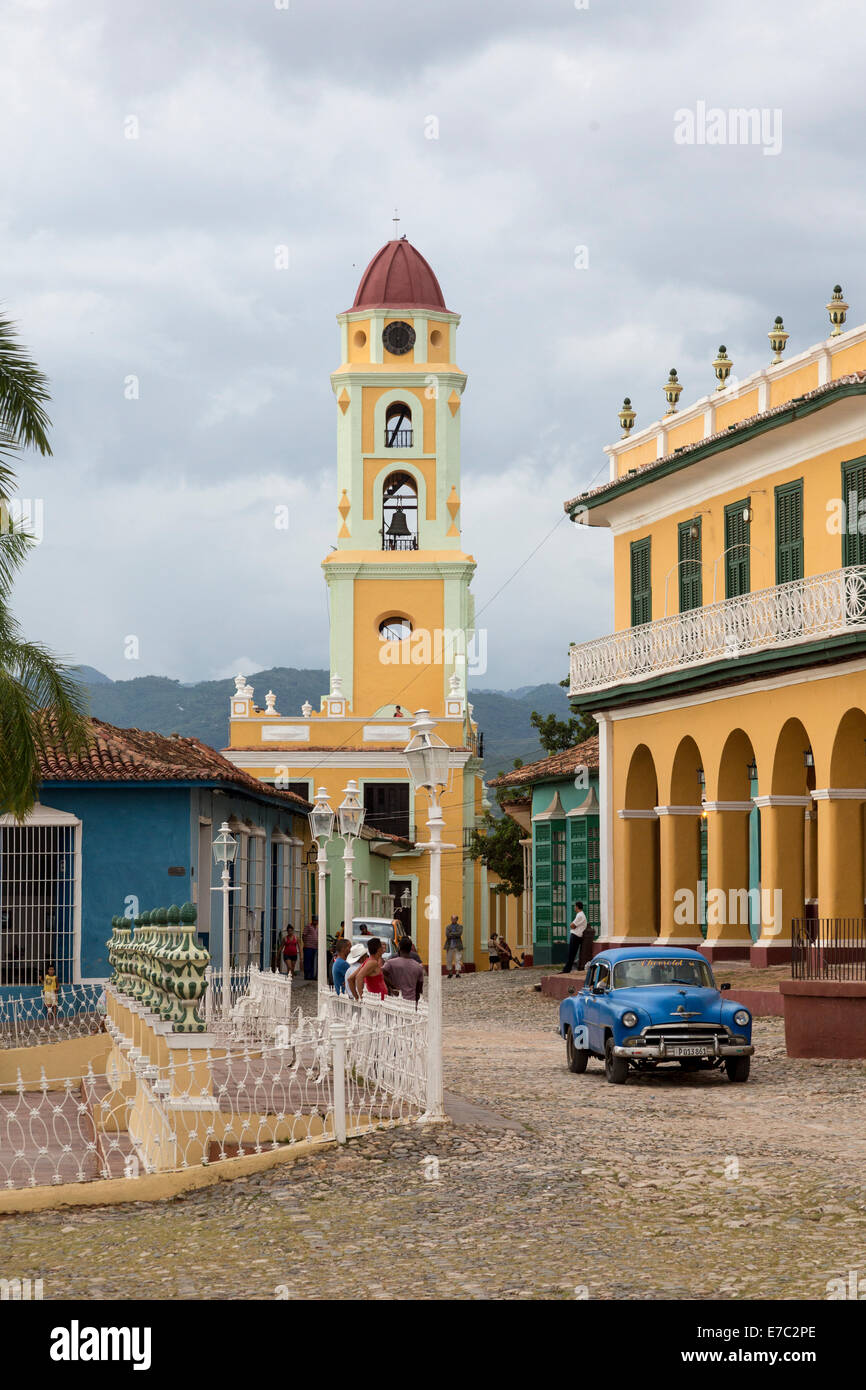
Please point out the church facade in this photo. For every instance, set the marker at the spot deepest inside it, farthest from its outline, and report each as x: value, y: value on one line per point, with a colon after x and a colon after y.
x: 401, y: 608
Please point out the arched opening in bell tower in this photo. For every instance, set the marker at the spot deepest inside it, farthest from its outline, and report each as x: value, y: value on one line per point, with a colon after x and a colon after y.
x: 400, y: 512
x: 398, y: 426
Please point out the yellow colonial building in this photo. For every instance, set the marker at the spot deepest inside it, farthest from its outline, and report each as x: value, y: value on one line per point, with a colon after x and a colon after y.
x: 401, y: 609
x: 731, y: 697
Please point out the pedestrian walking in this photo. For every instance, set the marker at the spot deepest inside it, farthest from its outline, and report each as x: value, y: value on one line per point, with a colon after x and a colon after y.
x: 580, y: 939
x: 454, y: 948
x: 311, y: 943
x: 493, y: 950
x: 290, y: 951
x: 403, y: 975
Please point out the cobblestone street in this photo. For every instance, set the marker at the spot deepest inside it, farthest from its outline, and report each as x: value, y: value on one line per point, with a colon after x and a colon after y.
x: 677, y: 1185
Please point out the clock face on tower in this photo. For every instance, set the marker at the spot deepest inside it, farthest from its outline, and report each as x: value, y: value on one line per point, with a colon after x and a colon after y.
x: 399, y: 337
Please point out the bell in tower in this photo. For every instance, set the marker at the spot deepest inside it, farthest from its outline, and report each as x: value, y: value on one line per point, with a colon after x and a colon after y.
x: 399, y: 503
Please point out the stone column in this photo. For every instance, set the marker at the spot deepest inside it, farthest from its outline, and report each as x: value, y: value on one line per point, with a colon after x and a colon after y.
x: 638, y: 874
x: 728, y: 936
x: 840, y: 851
x: 782, y: 875
x: 679, y: 859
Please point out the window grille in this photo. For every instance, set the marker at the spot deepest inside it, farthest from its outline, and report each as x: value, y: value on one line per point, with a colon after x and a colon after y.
x: 39, y: 901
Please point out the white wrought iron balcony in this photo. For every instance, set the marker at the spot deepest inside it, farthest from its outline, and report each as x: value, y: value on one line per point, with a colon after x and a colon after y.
x: 805, y: 610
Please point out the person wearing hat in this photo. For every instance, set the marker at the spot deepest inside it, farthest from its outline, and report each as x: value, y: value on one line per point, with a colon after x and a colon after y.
x: 355, y: 959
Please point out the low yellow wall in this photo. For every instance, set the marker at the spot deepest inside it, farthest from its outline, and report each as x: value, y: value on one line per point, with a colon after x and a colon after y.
x: 58, y: 1060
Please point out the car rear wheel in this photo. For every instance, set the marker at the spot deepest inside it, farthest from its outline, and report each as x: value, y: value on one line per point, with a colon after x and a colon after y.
x: 615, y: 1068
x: 577, y: 1057
x: 738, y: 1068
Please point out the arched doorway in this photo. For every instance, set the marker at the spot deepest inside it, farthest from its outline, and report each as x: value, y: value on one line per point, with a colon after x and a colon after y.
x: 641, y: 845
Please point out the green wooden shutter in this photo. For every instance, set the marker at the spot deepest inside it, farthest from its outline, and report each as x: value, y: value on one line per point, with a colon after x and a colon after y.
x: 561, y: 914
x: 543, y: 883
x: 737, y: 536
x: 789, y: 532
x: 853, y: 494
x: 641, y: 583
x: 691, y: 588
x: 584, y: 867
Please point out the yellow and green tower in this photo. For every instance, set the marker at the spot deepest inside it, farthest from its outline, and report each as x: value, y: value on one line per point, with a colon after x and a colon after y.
x: 401, y: 611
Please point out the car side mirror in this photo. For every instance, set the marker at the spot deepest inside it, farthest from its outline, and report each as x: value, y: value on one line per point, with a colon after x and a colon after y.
x: 726, y: 985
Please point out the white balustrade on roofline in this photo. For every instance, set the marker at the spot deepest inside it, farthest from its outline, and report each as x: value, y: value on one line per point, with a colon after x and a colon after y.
x: 804, y: 610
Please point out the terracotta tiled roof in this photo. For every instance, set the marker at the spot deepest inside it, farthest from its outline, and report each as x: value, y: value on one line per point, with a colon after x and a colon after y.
x: 557, y: 765
x: 137, y: 755
x: 851, y: 379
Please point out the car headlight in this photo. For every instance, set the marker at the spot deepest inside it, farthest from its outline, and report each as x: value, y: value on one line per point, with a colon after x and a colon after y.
x: 629, y: 1020
x: 742, y: 1017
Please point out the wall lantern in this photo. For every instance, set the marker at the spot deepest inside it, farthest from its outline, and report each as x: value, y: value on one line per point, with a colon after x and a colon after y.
x: 808, y: 758
x: 752, y: 771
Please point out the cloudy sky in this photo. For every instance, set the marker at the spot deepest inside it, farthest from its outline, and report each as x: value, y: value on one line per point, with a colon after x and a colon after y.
x: 155, y: 153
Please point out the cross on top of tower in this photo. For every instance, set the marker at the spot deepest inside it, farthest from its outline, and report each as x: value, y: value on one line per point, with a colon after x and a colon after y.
x: 396, y: 220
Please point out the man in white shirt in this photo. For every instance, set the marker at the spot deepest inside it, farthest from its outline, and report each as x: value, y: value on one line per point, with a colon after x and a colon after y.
x: 576, y: 938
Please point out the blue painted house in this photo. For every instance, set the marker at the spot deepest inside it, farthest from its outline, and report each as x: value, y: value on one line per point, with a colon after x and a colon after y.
x: 128, y: 825
x: 556, y: 801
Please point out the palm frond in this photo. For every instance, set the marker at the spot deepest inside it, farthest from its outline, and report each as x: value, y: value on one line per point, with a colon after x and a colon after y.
x: 24, y: 422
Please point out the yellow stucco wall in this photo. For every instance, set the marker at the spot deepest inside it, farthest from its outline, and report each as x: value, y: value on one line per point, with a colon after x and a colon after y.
x: 822, y: 546
x: 826, y: 713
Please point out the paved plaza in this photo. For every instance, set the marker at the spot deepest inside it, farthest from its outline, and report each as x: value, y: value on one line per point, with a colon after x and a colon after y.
x: 545, y: 1185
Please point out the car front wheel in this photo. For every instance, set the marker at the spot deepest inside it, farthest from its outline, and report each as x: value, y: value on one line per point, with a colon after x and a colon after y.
x: 738, y: 1068
x: 615, y: 1068
x: 577, y: 1057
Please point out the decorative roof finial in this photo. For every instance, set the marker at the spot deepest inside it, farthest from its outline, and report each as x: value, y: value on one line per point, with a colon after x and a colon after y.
x: 627, y: 417
x: 722, y: 367
x: 270, y: 701
x: 778, y: 338
x: 838, y: 311
x: 672, y: 390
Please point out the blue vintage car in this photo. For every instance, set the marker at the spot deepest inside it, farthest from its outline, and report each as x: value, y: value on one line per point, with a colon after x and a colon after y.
x: 643, y: 1006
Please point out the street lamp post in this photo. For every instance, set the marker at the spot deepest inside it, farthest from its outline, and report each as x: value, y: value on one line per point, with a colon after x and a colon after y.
x: 321, y: 829
x: 225, y: 847
x: 351, y: 822
x: 428, y: 756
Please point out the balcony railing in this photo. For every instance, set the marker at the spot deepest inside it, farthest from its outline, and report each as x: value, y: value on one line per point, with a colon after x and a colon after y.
x: 806, y: 610
x: 398, y: 439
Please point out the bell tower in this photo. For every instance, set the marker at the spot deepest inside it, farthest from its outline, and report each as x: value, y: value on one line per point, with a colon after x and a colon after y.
x: 401, y: 610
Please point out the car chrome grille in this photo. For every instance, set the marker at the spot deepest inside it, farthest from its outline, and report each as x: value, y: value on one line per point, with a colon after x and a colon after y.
x: 686, y: 1032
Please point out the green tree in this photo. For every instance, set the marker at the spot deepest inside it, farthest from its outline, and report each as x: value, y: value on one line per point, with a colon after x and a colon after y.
x: 38, y: 694
x: 497, y: 843
x: 557, y: 735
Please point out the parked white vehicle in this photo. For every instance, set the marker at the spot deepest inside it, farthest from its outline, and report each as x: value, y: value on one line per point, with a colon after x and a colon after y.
x: 382, y: 927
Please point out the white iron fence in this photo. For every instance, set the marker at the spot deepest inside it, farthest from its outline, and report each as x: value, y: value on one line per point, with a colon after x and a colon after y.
x: 356, y: 1066
x: 29, y: 1018
x: 260, y: 1003
x: 822, y: 605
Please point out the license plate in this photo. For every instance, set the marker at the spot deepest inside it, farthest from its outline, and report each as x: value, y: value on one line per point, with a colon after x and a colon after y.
x: 687, y: 1051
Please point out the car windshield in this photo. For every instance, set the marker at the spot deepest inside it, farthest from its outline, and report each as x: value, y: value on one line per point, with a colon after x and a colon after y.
x: 631, y: 974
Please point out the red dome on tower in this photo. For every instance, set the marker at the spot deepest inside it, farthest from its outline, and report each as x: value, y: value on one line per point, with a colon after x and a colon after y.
x: 398, y: 277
